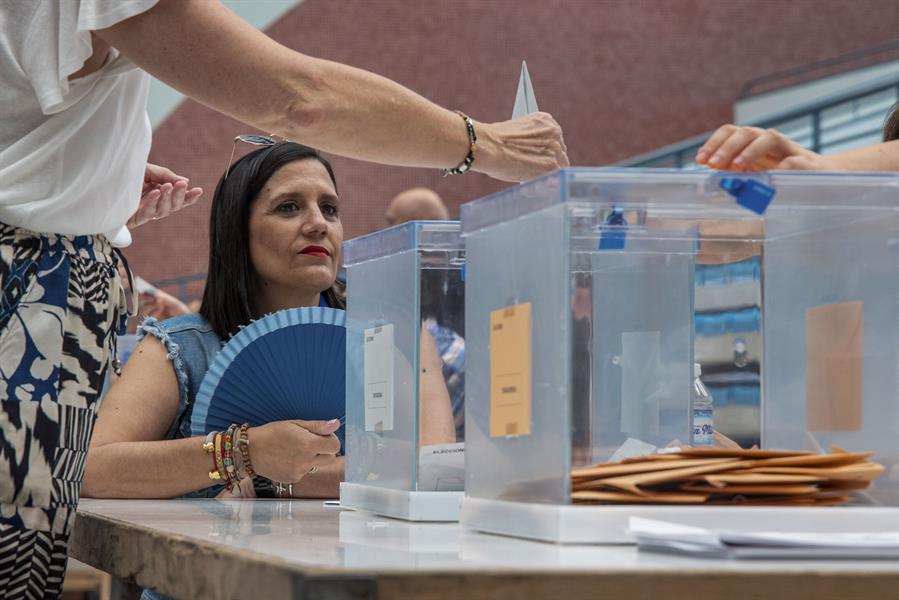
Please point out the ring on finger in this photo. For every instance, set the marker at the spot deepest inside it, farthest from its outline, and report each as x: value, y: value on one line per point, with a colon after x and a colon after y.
x: 313, y: 469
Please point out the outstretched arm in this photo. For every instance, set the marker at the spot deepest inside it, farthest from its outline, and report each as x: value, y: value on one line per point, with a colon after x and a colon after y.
x: 210, y: 54
x: 740, y: 148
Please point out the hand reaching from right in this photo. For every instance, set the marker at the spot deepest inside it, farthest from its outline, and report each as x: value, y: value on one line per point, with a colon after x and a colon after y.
x: 736, y: 148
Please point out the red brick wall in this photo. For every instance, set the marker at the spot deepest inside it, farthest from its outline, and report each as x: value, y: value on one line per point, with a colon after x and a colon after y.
x: 622, y: 77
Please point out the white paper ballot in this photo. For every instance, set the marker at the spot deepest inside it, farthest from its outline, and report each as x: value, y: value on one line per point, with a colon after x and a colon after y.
x: 144, y: 287
x: 662, y: 536
x: 378, y: 378
x: 441, y: 468
x: 525, y: 102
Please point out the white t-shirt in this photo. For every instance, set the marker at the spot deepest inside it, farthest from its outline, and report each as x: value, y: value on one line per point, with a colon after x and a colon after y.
x: 72, y: 154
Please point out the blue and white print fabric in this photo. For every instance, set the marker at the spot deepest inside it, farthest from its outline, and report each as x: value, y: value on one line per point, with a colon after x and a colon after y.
x: 61, y: 302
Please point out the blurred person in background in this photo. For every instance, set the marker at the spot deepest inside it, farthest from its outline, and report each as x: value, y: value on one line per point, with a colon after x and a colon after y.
x: 424, y: 204
x: 416, y: 204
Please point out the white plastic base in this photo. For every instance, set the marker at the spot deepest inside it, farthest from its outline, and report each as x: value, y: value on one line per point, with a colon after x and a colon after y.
x: 566, y: 524
x: 401, y: 504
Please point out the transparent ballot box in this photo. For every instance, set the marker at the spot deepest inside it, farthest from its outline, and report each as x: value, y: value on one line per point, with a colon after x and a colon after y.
x: 591, y: 293
x: 405, y: 371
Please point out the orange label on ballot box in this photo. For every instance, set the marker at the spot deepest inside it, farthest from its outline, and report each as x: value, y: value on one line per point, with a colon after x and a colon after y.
x: 510, y: 371
x: 833, y: 367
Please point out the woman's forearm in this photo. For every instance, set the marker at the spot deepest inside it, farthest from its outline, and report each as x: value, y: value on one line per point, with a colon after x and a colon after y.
x: 207, y: 52
x: 156, y: 469
x: 435, y: 416
x: 879, y: 157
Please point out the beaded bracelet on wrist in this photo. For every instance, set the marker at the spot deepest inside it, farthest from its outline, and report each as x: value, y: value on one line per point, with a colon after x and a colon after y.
x: 244, y: 443
x: 466, y: 163
x: 231, y: 475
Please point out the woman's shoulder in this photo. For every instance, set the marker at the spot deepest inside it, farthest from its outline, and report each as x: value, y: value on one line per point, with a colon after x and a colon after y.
x: 186, y: 334
x: 188, y: 322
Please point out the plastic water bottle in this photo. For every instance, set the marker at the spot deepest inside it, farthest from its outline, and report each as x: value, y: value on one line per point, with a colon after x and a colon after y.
x: 703, y: 422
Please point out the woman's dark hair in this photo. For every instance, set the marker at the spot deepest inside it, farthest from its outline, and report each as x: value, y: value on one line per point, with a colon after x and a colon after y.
x: 230, y: 280
x: 891, y: 127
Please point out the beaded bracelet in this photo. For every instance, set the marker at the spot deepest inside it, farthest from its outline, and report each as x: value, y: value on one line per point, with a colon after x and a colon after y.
x: 466, y: 163
x: 230, y: 471
x: 244, y: 445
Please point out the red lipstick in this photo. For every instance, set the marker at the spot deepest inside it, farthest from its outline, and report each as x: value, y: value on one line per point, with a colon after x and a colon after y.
x: 315, y: 251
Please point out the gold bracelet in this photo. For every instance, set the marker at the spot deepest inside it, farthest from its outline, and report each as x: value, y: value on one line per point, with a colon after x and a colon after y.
x: 219, y: 462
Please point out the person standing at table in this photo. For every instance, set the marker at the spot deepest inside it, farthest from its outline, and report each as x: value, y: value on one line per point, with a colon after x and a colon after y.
x: 74, y: 139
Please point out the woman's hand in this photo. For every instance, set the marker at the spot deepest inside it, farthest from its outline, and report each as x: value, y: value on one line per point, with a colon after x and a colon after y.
x: 161, y: 305
x: 288, y: 450
x: 243, y: 489
x: 163, y: 193
x: 736, y: 148
x: 520, y: 149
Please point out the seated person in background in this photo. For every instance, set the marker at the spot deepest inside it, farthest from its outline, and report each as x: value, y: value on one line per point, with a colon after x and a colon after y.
x: 270, y: 208
x: 736, y: 148
x: 424, y: 204
x: 162, y: 305
x: 416, y: 204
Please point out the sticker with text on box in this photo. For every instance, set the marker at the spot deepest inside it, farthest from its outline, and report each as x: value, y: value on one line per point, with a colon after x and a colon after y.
x: 378, y: 378
x: 510, y: 371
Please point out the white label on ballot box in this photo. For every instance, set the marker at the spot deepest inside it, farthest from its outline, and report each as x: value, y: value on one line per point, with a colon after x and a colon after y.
x: 378, y: 374
x: 441, y: 468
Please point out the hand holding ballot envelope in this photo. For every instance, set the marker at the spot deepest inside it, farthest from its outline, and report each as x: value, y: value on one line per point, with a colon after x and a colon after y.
x: 531, y: 142
x: 521, y: 149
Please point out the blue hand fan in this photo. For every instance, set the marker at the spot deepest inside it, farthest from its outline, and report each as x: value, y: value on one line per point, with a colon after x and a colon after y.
x: 288, y: 365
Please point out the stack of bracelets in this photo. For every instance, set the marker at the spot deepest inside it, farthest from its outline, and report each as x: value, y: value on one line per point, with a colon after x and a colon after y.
x: 230, y: 466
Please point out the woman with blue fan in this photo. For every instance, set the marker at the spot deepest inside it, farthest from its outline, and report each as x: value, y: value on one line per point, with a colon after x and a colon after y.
x: 275, y: 238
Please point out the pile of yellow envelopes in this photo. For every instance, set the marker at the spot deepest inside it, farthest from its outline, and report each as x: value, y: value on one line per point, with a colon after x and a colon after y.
x: 713, y: 476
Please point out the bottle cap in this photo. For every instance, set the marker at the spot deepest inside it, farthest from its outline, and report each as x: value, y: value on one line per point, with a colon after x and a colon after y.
x: 697, y: 370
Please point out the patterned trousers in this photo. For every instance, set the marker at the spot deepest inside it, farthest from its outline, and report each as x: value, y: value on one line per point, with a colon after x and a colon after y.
x: 61, y: 303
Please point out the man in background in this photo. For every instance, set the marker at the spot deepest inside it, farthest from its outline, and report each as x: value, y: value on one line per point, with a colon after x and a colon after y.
x: 424, y: 204
x: 416, y: 204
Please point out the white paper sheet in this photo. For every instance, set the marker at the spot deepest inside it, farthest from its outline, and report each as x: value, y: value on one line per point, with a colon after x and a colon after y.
x: 663, y: 536
x: 142, y: 286
x: 525, y: 102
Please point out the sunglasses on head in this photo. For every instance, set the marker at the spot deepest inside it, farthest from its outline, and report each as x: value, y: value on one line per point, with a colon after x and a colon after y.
x: 255, y: 140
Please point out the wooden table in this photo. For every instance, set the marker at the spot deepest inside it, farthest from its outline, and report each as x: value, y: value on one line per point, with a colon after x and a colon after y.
x: 267, y: 549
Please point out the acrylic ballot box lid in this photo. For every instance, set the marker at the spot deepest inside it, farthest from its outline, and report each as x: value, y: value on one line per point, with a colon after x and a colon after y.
x: 724, y: 195
x: 425, y: 235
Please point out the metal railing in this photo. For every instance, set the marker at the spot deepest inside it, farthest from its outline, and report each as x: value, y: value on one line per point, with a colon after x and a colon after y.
x: 857, y: 59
